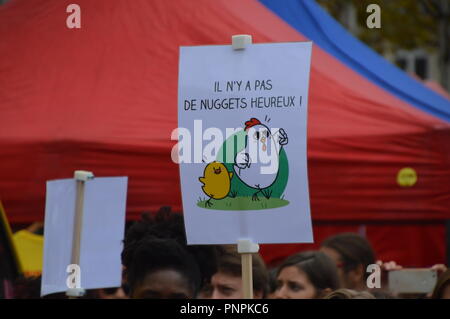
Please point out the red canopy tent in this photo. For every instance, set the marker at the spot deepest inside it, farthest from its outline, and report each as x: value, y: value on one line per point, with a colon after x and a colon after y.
x: 104, y: 98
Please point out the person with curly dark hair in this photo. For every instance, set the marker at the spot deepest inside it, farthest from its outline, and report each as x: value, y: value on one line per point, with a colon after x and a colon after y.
x: 159, y: 264
x: 162, y: 269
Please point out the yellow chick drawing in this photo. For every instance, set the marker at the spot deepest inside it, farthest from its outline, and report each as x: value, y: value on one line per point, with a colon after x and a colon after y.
x: 216, y: 181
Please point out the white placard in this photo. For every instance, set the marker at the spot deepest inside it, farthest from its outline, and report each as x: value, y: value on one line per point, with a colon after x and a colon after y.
x: 101, y: 237
x: 255, y: 185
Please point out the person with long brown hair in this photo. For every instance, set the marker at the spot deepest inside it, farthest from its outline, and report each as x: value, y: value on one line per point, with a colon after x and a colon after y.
x: 306, y: 275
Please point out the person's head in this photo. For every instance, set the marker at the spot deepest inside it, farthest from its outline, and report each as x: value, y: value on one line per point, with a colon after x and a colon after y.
x: 442, y: 288
x: 27, y: 287
x: 226, y: 283
x: 168, y: 228
x: 306, y: 275
x: 352, y: 254
x: 344, y: 293
x: 162, y: 269
x: 112, y: 293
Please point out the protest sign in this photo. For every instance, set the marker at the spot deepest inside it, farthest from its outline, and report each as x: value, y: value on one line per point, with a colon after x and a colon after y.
x: 101, y: 236
x: 242, y: 117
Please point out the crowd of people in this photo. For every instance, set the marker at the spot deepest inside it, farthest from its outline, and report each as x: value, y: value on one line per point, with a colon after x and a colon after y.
x: 158, y: 264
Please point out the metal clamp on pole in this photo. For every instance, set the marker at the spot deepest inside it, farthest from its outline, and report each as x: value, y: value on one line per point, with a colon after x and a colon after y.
x: 241, y: 41
x: 81, y: 178
x: 246, y: 246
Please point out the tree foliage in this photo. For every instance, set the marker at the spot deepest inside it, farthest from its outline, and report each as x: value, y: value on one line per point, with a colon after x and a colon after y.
x: 405, y: 24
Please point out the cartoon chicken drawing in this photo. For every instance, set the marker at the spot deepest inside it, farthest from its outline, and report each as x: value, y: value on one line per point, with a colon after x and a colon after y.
x: 260, y: 144
x: 216, y: 181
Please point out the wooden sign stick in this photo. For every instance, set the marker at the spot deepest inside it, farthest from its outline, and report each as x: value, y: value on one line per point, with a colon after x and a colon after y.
x: 246, y: 248
x: 81, y: 177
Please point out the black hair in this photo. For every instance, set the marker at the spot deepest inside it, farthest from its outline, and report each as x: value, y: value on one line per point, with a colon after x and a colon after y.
x: 354, y: 249
x: 152, y: 254
x: 320, y: 269
x: 169, y: 226
x: 27, y: 287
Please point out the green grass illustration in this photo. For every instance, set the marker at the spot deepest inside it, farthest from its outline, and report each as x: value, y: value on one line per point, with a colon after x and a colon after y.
x: 243, y: 203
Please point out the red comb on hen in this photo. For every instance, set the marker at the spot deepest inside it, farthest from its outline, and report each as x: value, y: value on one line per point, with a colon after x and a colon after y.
x: 251, y: 123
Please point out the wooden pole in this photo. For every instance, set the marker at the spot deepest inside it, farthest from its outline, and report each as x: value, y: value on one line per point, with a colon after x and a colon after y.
x: 247, y: 276
x: 247, y: 248
x: 80, y: 177
x: 76, y: 242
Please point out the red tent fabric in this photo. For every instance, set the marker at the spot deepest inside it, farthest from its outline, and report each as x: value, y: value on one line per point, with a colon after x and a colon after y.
x: 104, y: 98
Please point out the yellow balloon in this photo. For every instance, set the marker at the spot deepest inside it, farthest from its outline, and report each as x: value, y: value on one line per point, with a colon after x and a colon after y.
x: 407, y: 177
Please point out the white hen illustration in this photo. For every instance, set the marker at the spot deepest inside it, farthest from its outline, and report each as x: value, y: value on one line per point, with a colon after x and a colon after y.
x: 260, y: 144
